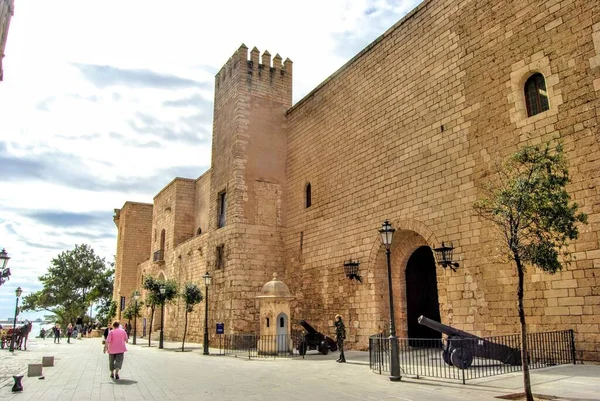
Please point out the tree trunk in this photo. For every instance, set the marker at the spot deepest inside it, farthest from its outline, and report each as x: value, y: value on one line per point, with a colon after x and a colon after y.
x: 151, y: 321
x: 524, y: 347
x: 184, y: 329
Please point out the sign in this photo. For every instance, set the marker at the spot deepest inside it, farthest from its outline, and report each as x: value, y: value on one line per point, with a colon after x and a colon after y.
x: 220, y: 328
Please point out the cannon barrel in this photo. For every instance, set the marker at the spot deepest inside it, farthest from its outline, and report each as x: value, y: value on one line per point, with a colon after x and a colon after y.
x: 476, y: 346
x: 442, y: 328
x: 308, y: 327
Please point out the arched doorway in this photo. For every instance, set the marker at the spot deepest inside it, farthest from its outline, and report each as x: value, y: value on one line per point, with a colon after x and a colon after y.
x: 421, y: 294
x: 282, y: 330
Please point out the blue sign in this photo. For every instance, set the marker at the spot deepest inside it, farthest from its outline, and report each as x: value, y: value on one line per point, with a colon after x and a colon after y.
x: 220, y: 328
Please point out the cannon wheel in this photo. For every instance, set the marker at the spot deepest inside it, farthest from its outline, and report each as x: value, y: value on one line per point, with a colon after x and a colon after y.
x: 323, y: 348
x: 462, y: 358
x: 446, y: 357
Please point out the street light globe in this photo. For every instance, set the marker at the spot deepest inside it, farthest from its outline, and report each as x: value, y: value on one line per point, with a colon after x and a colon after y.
x: 136, y: 295
x: 4, y: 258
x: 207, y: 278
x: 162, y: 290
x: 18, y: 291
x: 387, y: 233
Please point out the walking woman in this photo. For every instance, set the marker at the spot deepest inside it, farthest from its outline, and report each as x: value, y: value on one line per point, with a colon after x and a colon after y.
x: 340, y: 334
x: 115, y: 345
x: 56, y: 330
x: 69, y: 333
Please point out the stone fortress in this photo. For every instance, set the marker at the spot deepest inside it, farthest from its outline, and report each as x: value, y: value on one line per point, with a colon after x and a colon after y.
x: 407, y: 130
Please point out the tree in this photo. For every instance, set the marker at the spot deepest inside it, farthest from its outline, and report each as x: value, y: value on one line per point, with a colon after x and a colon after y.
x: 74, y: 280
x: 133, y: 308
x: 154, y: 297
x: 106, y: 310
x: 191, y: 295
x: 528, y: 203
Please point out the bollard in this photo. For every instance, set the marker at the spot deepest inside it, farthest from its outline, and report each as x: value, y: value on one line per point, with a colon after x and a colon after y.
x: 34, y: 370
x: 47, y: 361
x: 18, y: 386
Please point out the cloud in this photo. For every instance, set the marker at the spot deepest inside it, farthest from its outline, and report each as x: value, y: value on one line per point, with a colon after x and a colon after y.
x: 191, y: 129
x: 103, y: 76
x: 44, y: 104
x: 64, y: 219
x: 196, y: 100
x: 26, y: 241
x: 70, y: 171
x: 87, y: 137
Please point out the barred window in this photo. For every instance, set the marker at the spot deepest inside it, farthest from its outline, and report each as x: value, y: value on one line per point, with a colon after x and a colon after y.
x: 536, y: 96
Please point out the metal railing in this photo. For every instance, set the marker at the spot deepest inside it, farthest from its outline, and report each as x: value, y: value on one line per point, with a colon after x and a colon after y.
x: 257, y: 346
x: 466, y: 358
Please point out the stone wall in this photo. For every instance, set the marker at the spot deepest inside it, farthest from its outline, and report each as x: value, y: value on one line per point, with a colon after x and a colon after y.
x: 408, y: 130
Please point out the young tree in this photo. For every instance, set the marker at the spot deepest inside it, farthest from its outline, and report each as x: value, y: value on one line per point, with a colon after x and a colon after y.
x: 156, y: 298
x: 528, y: 203
x: 74, y: 280
x: 133, y: 309
x: 191, y: 296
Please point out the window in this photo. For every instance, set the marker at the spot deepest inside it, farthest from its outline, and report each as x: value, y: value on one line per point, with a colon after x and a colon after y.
x: 220, y: 257
x: 199, y: 231
x: 222, y: 209
x: 308, y: 195
x: 281, y: 322
x: 267, y: 322
x: 536, y: 97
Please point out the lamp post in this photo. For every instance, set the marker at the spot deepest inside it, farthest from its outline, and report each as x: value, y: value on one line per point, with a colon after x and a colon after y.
x: 207, y: 279
x: 18, y: 292
x: 136, y: 296
x: 387, y: 233
x: 162, y: 315
x: 4, y: 271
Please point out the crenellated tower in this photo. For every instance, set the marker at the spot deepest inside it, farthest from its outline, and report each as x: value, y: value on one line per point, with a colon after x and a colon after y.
x: 247, y: 216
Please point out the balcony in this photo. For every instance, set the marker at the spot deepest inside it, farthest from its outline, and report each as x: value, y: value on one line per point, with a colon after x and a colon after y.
x: 159, y: 256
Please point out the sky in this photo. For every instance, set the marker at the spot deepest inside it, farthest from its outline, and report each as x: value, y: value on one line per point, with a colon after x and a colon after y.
x: 107, y: 101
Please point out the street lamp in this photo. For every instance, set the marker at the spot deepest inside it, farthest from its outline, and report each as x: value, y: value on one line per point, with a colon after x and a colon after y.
x: 162, y: 315
x: 18, y: 293
x: 136, y: 296
x: 387, y: 233
x: 207, y: 279
x: 4, y: 271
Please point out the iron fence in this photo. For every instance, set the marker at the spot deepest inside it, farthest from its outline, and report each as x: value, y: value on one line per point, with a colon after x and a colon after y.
x: 257, y: 346
x: 471, y: 358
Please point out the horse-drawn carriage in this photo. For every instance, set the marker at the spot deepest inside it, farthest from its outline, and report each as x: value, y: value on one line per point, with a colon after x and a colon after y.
x: 20, y: 333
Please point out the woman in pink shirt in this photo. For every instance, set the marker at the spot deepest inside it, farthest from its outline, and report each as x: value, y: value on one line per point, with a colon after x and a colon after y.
x: 115, y: 344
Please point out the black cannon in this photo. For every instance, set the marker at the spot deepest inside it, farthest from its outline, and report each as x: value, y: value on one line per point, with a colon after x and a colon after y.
x: 314, y: 340
x: 461, y: 347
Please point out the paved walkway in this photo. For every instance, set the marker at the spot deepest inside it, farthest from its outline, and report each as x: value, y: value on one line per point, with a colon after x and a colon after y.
x: 81, y: 373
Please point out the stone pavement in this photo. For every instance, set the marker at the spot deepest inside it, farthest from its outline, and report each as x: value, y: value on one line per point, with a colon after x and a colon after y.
x: 81, y: 373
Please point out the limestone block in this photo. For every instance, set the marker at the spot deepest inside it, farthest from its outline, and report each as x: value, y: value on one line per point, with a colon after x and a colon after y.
x: 34, y: 369
x: 47, y: 361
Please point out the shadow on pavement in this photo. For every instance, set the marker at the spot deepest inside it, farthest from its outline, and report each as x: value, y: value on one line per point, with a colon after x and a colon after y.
x: 124, y: 382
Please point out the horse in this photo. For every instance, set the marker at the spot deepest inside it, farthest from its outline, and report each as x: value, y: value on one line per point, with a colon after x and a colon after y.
x: 21, y: 336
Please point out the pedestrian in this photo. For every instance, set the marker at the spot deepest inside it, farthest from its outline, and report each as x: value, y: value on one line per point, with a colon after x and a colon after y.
x: 56, y: 330
x: 128, y: 328
x: 69, y: 333
x: 340, y: 336
x: 43, y: 333
x: 115, y: 345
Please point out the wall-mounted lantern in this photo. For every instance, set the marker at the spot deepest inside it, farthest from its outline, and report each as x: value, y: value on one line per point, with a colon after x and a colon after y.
x: 443, y: 255
x: 351, y: 270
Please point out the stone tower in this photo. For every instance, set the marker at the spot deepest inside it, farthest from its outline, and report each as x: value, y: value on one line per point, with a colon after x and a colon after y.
x: 246, y: 214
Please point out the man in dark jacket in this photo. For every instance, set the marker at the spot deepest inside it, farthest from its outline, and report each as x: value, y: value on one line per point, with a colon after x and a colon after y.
x: 340, y: 336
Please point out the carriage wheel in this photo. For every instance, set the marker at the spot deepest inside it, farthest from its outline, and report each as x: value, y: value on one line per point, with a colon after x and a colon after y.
x: 323, y: 348
x: 462, y: 358
x: 446, y: 357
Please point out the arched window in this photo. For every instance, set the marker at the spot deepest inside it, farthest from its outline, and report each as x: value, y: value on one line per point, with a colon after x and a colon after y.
x: 162, y: 240
x: 199, y: 231
x: 281, y: 322
x: 308, y: 195
x: 536, y: 96
x: 267, y: 322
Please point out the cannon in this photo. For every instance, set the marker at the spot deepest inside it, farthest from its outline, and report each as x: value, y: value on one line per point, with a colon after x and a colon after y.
x: 314, y: 340
x: 461, y: 347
